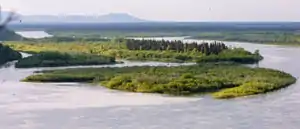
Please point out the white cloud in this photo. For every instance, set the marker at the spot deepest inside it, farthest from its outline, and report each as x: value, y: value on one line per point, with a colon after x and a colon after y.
x: 10, y: 4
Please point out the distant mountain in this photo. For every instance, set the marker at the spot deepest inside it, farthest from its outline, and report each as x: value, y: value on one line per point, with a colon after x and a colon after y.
x: 109, y: 18
x: 6, y: 34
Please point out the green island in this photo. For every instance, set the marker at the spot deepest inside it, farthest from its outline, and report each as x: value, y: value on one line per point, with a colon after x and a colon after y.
x: 223, y: 80
x: 7, y: 54
x: 219, y: 68
x: 54, y: 59
x: 146, y: 50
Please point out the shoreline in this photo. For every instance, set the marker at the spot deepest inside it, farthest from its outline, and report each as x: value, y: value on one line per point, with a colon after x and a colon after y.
x: 241, y: 41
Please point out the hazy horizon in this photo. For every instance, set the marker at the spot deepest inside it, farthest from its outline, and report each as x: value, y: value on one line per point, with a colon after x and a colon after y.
x: 166, y: 10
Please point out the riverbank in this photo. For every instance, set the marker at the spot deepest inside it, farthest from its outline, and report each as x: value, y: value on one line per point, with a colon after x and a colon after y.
x: 224, y: 80
x: 289, y: 38
x: 245, y: 41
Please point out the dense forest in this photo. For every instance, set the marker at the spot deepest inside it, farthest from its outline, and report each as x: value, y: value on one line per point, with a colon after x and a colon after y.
x: 7, y: 54
x: 177, y: 46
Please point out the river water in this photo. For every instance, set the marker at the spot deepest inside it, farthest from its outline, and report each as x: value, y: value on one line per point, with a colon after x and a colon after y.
x: 82, y: 106
x: 34, y: 34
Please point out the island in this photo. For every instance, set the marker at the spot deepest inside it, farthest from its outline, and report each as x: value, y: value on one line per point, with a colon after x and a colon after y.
x: 223, y: 80
x: 219, y: 71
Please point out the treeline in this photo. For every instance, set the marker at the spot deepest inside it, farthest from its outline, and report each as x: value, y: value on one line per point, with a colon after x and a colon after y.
x: 177, y: 45
x: 265, y: 37
x: 7, y: 54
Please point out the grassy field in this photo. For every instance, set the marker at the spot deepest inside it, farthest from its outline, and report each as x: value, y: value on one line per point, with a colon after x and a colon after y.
x: 224, y: 80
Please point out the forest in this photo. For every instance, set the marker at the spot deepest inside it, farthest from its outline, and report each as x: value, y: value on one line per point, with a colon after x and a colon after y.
x: 177, y: 46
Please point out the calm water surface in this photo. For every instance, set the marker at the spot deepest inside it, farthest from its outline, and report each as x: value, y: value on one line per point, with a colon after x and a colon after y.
x: 34, y: 34
x: 81, y: 106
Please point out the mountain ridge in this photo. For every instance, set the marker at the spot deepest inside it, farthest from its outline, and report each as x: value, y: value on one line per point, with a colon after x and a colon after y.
x: 107, y: 18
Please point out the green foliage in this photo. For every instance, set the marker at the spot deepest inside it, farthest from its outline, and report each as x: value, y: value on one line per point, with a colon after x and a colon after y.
x: 265, y: 37
x: 122, y: 49
x: 53, y: 59
x: 7, y: 54
x: 177, y: 46
x: 225, y: 80
x: 257, y: 86
x: 238, y: 55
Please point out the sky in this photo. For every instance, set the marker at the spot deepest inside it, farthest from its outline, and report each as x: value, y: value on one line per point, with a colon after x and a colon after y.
x: 166, y: 10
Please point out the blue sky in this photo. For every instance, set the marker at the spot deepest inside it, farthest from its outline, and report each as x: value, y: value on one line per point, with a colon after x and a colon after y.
x: 170, y: 10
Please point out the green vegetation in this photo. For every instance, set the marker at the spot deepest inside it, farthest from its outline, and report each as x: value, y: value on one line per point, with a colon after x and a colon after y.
x: 146, y: 50
x: 7, y: 54
x: 54, y: 59
x: 224, y: 80
x: 264, y: 37
x: 113, y: 34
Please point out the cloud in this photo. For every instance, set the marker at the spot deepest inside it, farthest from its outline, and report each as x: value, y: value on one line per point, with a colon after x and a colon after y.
x: 10, y: 4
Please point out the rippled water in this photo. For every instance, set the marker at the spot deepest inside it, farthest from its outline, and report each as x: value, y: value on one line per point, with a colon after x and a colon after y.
x: 79, y: 106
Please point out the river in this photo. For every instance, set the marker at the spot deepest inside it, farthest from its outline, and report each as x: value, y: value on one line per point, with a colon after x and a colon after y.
x: 83, y: 106
x: 34, y: 34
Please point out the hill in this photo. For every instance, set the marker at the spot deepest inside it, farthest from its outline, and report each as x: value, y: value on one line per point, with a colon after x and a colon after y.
x: 108, y: 18
x: 6, y: 34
